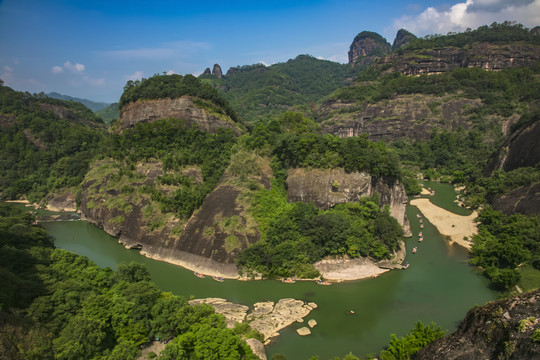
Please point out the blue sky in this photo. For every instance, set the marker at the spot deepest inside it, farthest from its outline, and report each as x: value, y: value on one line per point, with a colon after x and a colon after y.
x: 90, y: 48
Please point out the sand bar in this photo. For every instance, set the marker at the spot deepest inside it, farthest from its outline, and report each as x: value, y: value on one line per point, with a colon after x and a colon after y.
x: 453, y: 225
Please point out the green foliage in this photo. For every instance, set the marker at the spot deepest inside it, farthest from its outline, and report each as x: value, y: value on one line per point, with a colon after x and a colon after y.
x: 77, y: 310
x: 109, y: 113
x: 172, y: 87
x: 296, y: 235
x: 177, y: 146
x: 503, y: 244
x: 260, y: 93
x: 506, y: 32
x: 41, y: 151
x: 405, y: 347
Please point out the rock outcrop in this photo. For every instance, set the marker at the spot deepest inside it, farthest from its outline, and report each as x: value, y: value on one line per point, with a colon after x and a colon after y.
x: 403, y: 37
x: 216, y: 71
x: 403, y: 117
x: 486, y: 56
x: 521, y: 149
x: 266, y: 317
x: 182, y: 108
x: 317, y: 186
x: 67, y: 114
x: 257, y: 347
x: 504, y: 329
x: 207, y: 71
x: 368, y: 47
x: 7, y: 121
x: 62, y: 202
x: 524, y: 200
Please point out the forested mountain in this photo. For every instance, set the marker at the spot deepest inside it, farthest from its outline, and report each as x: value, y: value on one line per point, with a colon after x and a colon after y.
x: 260, y: 92
x: 109, y: 113
x: 92, y: 105
x: 47, y: 144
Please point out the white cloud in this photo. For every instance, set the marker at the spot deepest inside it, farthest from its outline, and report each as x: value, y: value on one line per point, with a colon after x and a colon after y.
x: 74, y: 68
x: 57, y: 69
x: 135, y: 76
x: 470, y: 14
x: 170, y: 72
x: 264, y: 63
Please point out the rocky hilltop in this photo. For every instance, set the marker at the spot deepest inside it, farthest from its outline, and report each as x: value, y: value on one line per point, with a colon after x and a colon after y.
x: 326, y: 188
x: 184, y: 108
x: 493, y: 57
x: 403, y: 37
x: 368, y: 47
x: 504, y: 329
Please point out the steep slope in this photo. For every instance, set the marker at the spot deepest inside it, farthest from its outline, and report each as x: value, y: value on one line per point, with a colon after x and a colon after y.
x: 176, y: 96
x: 368, y: 47
x: 92, y: 105
x: 46, y: 144
x: 504, y: 329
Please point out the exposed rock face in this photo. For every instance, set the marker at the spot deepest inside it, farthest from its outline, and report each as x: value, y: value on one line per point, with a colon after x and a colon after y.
x: 521, y: 149
x: 525, y: 200
x: 181, y: 108
x: 481, y: 55
x: 267, y: 318
x: 403, y: 37
x: 62, y: 202
x: 535, y: 31
x: 304, y: 331
x: 207, y: 71
x: 31, y: 138
x: 317, y: 186
x: 216, y: 71
x: 65, y: 113
x: 234, y: 313
x: 497, y: 330
x: 367, y: 47
x: 408, y: 116
x: 257, y: 347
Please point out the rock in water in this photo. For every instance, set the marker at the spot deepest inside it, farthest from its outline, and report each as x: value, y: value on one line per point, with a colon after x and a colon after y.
x: 233, y: 312
x: 312, y: 323
x: 303, y: 331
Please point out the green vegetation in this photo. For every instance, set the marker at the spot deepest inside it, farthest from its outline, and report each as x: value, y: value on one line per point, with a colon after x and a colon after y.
x: 172, y: 87
x: 58, y: 305
x: 259, y: 93
x: 504, y: 244
x: 506, y: 32
x: 41, y: 150
x: 109, y: 113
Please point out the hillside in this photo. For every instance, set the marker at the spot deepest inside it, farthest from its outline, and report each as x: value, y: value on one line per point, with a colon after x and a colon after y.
x: 259, y: 92
x: 47, y: 144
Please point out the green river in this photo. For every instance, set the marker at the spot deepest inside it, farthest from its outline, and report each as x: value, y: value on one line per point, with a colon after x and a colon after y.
x: 438, y: 286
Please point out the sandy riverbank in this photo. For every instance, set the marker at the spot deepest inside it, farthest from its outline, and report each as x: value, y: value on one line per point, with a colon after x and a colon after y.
x: 457, y: 227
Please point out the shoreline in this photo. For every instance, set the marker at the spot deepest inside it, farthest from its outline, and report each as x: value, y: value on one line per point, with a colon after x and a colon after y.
x: 455, y: 227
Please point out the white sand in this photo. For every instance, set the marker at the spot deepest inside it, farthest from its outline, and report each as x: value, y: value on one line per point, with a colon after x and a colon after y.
x: 457, y: 227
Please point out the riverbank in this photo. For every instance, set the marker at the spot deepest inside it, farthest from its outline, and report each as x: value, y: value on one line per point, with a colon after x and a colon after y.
x: 456, y: 227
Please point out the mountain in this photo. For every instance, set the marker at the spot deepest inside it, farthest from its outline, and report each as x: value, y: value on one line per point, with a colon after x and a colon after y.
x: 109, y: 113
x: 258, y: 92
x: 367, y: 47
x: 92, y: 105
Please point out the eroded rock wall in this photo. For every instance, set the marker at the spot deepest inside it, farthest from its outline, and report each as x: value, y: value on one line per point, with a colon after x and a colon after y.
x: 326, y: 188
x: 180, y: 108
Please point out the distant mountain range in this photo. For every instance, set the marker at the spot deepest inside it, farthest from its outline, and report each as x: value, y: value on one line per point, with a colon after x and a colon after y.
x: 92, y: 105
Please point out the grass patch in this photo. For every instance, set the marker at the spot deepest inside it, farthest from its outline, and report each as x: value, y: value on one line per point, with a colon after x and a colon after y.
x: 231, y: 243
x: 530, y: 278
x: 117, y: 220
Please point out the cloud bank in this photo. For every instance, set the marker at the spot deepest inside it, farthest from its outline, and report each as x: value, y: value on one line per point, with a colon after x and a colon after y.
x: 470, y: 14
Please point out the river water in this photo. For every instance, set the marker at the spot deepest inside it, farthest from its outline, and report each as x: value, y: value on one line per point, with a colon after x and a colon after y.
x: 438, y: 286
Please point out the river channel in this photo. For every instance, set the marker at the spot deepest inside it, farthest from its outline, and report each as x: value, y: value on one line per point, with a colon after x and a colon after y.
x: 438, y: 286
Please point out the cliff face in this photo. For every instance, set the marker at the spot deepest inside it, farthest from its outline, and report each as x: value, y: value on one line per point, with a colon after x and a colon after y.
x: 407, y: 116
x: 481, y: 55
x: 497, y: 330
x: 211, y: 239
x: 525, y: 200
x: 180, y: 108
x: 367, y: 47
x: 318, y: 186
x: 403, y: 37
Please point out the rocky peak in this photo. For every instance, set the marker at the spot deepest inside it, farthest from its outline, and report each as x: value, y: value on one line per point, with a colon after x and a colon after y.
x: 207, y: 71
x: 535, y: 31
x: 216, y: 71
x: 403, y: 37
x: 367, y: 47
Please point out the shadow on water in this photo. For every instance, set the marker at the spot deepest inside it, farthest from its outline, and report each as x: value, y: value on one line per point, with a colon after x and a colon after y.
x: 438, y: 286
